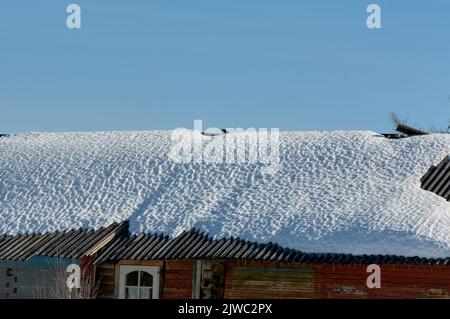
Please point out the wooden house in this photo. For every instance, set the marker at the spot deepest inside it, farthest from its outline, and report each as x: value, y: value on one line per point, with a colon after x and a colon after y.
x: 193, y: 265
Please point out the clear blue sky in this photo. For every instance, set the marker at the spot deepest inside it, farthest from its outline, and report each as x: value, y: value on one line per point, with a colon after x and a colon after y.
x: 295, y: 65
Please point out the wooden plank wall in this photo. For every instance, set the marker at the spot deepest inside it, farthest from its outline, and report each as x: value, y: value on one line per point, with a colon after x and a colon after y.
x: 282, y: 280
x: 251, y: 279
x: 261, y: 280
x: 105, y: 276
x: 178, y: 276
x: 397, y: 281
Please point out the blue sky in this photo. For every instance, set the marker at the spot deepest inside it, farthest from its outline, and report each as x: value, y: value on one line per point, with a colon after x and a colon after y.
x: 294, y: 65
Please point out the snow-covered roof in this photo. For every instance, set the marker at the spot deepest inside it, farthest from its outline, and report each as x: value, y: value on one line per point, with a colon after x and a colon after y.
x: 342, y: 192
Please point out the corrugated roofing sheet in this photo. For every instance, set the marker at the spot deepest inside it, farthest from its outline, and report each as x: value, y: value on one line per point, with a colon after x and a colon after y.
x: 194, y: 244
x: 71, y: 244
x: 136, y: 247
x: 437, y: 179
x: 114, y: 243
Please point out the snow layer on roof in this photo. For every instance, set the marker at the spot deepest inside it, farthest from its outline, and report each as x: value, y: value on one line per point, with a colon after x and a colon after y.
x: 342, y: 192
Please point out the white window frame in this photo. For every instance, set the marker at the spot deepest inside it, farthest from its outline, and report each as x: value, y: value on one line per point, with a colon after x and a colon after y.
x: 152, y: 270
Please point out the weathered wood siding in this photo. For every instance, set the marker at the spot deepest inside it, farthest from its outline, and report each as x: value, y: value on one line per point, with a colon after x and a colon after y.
x: 397, y: 281
x: 278, y: 280
x: 254, y: 279
x: 258, y: 280
x: 105, y: 277
x: 178, y: 279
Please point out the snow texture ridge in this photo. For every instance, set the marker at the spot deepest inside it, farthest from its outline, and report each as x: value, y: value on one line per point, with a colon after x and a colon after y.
x: 342, y: 192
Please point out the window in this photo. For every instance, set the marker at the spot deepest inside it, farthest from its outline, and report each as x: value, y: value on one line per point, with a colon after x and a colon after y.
x: 139, y: 282
x: 138, y: 285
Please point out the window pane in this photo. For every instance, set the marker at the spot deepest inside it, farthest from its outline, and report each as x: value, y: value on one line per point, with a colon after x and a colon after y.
x: 145, y: 293
x: 131, y: 293
x: 132, y: 279
x: 146, y: 279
